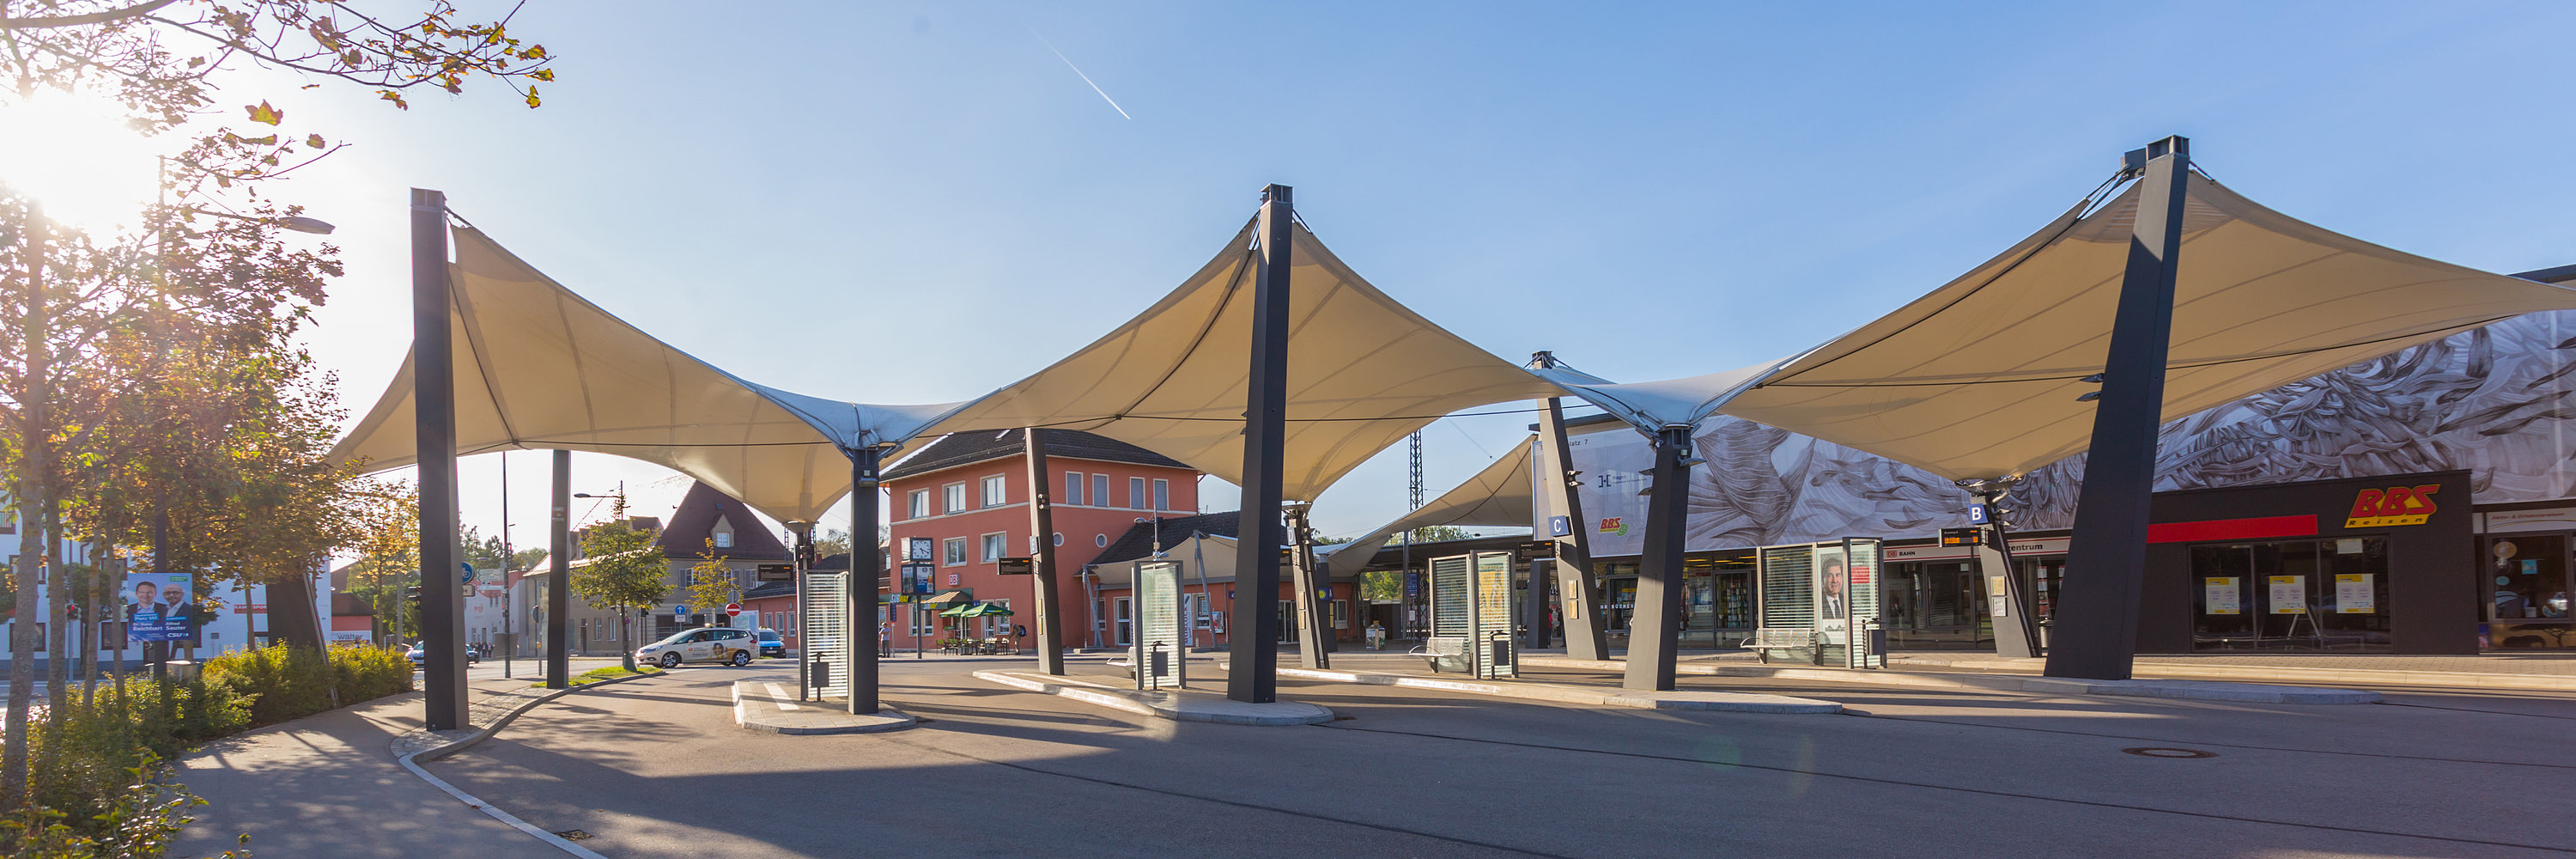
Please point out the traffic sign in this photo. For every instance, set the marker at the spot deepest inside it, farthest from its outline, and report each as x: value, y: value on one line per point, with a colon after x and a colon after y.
x: 733, y: 609
x: 1977, y: 514
x: 469, y: 573
x: 680, y: 611
x: 1560, y: 526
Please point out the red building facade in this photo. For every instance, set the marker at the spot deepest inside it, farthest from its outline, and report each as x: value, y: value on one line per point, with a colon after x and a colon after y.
x: 968, y: 495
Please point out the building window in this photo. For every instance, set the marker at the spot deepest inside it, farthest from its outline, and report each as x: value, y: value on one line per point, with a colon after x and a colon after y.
x: 1100, y: 540
x: 1100, y: 490
x: 997, y: 625
x: 1073, y: 488
x: 956, y: 547
x: 1197, y: 605
x: 1135, y: 493
x: 993, y: 547
x: 724, y: 539
x: 953, y: 498
x: 1341, y: 614
x: 995, y: 495
x: 1162, y: 494
x: 1059, y: 538
x: 923, y: 618
x: 919, y: 506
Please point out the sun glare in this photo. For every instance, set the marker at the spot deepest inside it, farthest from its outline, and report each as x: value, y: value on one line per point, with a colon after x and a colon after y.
x: 79, y: 158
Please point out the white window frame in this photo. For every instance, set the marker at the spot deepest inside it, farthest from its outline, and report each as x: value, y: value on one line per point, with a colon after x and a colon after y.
x: 952, y: 498
x: 724, y: 539
x: 996, y: 491
x: 1199, y: 604
x: 1341, y: 614
x: 1072, y: 489
x: 995, y: 545
x: 918, y: 504
x: 1135, y: 493
x: 1099, y: 490
x: 923, y: 620
x: 997, y: 625
x: 1162, y: 494
x: 952, y: 552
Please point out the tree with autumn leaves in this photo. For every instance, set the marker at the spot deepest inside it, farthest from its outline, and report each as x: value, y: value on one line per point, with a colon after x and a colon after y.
x: 150, y: 381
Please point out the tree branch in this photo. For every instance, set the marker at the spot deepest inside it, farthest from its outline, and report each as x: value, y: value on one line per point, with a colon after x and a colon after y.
x: 8, y: 23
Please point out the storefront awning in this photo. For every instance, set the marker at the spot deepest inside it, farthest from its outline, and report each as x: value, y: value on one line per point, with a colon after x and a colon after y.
x: 1499, y: 495
x: 1363, y: 371
x: 1980, y: 378
x: 538, y: 367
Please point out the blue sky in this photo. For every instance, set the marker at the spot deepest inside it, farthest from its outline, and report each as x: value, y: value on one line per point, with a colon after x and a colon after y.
x: 794, y: 192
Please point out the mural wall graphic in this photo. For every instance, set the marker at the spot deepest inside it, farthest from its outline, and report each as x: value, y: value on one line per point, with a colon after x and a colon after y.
x: 2499, y: 401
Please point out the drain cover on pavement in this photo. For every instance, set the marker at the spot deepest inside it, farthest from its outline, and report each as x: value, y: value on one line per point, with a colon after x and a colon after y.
x: 2158, y: 752
x: 573, y: 835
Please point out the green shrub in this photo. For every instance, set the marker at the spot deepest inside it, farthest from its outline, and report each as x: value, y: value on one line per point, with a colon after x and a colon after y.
x: 284, y: 683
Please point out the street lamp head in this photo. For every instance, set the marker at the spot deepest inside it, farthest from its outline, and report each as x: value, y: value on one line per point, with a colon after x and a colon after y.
x: 302, y: 224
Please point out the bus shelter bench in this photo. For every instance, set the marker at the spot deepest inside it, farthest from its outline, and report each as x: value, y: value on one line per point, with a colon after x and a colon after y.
x: 1447, y: 652
x: 1764, y: 641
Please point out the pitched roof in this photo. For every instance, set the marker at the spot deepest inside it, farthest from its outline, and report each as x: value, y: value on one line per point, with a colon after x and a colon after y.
x: 1138, y: 542
x: 967, y: 448
x: 695, y: 521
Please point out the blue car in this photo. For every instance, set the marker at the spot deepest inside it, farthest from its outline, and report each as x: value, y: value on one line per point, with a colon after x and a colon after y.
x: 771, y: 646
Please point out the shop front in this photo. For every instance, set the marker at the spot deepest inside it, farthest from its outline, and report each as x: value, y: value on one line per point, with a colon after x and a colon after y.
x: 2524, y: 565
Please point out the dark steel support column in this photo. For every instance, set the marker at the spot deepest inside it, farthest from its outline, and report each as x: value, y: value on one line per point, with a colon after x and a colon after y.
x: 1578, y: 598
x: 1535, y: 634
x: 1314, y: 642
x: 867, y: 562
x: 559, y: 576
x: 442, y: 616
x: 1254, y: 677
x: 1049, y: 616
x: 2017, y: 633
x: 1654, y: 630
x: 2095, y: 632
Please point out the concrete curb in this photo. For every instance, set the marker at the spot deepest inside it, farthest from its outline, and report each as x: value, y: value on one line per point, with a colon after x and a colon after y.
x: 1723, y: 702
x: 413, y: 761
x: 2264, y: 673
x: 1177, y: 706
x: 768, y: 715
x: 2175, y: 689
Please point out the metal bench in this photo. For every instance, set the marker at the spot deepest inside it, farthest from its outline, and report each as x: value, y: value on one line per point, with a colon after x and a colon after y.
x: 1447, y: 652
x: 1763, y: 641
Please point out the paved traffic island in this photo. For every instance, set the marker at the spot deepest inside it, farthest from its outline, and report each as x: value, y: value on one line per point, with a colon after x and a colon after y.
x: 766, y: 705
x: 1679, y: 699
x: 2190, y: 690
x: 1177, y: 705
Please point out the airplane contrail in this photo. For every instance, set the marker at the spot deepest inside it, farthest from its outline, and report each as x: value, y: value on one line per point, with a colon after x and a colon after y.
x: 1077, y: 71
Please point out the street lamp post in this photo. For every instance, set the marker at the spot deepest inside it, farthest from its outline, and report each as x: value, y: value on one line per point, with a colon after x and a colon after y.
x: 626, y: 648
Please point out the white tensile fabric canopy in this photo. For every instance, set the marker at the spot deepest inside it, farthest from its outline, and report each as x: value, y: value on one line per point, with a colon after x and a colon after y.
x: 1363, y: 371
x: 1499, y: 495
x: 1980, y: 378
x: 539, y: 367
x: 1653, y: 405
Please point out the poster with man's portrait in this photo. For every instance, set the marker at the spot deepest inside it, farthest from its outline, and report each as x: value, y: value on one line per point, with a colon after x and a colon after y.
x: 156, y: 606
x: 1833, y: 588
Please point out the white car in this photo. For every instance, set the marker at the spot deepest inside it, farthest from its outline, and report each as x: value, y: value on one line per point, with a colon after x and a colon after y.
x: 707, y: 644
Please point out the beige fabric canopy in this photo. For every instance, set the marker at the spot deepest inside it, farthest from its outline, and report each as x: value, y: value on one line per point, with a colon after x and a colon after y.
x: 1979, y: 379
x: 539, y: 367
x: 1499, y: 495
x: 1363, y: 371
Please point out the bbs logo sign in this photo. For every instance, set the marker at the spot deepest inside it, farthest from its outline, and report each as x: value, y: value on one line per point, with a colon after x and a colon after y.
x: 2395, y: 505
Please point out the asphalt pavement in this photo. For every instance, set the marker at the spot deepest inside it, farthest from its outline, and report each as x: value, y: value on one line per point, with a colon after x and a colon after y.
x: 656, y: 767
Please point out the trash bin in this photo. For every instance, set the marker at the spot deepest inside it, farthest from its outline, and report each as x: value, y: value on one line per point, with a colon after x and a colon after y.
x: 1877, y: 645
x: 820, y: 674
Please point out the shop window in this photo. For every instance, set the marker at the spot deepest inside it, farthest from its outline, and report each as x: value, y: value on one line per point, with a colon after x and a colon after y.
x: 2529, y: 572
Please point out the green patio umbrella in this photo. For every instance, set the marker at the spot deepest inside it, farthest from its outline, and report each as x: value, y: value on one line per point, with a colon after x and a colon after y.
x: 985, y: 609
